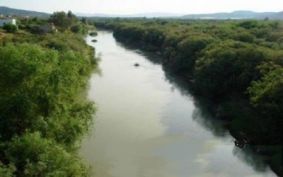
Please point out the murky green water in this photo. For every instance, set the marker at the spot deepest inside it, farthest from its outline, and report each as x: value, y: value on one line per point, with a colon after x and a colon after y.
x: 146, y: 127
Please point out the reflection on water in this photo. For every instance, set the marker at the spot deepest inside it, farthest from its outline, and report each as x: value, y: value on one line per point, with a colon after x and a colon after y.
x: 147, y: 127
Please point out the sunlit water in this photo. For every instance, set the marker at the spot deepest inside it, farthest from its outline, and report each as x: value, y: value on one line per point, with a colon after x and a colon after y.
x: 145, y: 126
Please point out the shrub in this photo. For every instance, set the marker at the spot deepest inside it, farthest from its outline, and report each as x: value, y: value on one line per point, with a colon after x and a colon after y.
x: 76, y: 28
x: 10, y: 28
x: 36, y: 156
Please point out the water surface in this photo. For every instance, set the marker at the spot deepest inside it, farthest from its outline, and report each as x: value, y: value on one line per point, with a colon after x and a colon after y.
x: 145, y: 126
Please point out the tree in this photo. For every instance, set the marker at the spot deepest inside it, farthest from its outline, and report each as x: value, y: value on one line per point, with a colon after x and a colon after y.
x: 84, y: 21
x: 63, y: 20
x: 267, y: 93
x: 228, y: 67
x: 35, y: 92
x: 188, y: 50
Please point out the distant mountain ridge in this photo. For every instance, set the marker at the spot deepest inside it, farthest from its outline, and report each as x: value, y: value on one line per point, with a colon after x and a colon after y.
x: 241, y: 14
x: 19, y: 12
x: 237, y: 15
x: 278, y: 15
x: 139, y: 15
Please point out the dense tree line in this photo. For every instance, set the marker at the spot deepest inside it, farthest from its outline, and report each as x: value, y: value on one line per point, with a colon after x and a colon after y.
x: 59, y: 21
x: 43, y: 109
x: 236, y: 64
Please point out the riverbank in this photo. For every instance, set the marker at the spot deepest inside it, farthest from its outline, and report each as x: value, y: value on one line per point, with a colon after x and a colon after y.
x: 185, y: 56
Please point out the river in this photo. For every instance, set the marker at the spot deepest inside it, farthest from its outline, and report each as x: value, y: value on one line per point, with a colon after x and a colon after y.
x: 146, y: 126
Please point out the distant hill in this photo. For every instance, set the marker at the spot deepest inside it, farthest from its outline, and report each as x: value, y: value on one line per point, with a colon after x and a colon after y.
x: 156, y: 14
x: 18, y: 12
x: 225, y: 15
x: 241, y: 14
x: 278, y: 15
x: 140, y: 15
x: 237, y: 15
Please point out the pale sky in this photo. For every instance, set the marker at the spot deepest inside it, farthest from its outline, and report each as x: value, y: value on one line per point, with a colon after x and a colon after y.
x: 145, y: 6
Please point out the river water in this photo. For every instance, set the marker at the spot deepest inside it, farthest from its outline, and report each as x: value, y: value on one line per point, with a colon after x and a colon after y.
x: 145, y: 126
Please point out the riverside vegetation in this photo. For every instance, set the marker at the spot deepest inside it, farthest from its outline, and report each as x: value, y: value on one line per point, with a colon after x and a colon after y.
x: 43, y: 109
x: 236, y: 65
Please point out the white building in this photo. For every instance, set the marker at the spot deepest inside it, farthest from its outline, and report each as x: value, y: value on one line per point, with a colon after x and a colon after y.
x: 7, y: 21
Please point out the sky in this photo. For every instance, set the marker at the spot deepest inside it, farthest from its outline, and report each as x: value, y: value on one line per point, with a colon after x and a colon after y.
x: 123, y: 7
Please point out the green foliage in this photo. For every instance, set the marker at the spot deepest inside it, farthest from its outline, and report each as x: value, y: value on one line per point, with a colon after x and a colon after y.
x: 43, y: 110
x: 249, y: 24
x: 234, y: 66
x: 36, y: 156
x: 84, y: 21
x: 10, y: 28
x: 68, y: 21
x: 244, y: 36
x: 6, y: 171
x: 30, y: 23
x: 267, y: 93
x: 39, y: 85
x: 63, y: 20
x: 187, y: 52
x: 76, y: 28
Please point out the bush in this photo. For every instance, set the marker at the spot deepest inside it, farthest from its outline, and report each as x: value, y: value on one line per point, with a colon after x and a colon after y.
x: 36, y: 156
x: 267, y: 93
x: 6, y: 171
x: 10, y: 28
x: 63, y: 20
x: 76, y: 29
